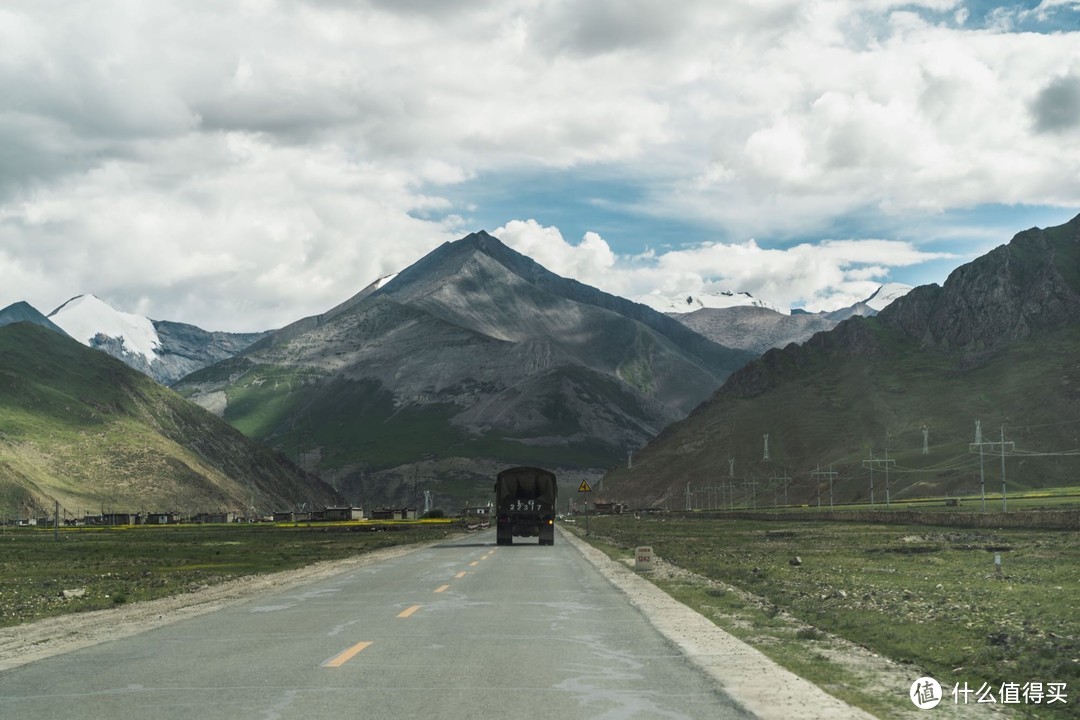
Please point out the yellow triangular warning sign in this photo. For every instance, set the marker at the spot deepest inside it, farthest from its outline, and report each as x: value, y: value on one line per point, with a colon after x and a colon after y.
x: 584, y: 487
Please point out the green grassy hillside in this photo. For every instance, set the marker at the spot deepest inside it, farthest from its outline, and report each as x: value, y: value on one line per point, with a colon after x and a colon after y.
x: 833, y: 409
x: 80, y: 427
x: 355, y: 435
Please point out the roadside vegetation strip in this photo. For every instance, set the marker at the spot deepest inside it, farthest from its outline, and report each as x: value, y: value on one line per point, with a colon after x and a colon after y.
x: 1048, y: 507
x: 927, y: 598
x: 112, y: 567
x: 366, y: 523
x: 1056, y: 520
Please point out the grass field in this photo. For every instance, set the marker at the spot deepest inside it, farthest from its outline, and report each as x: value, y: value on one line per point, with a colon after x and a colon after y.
x: 923, y: 596
x: 120, y: 565
x: 770, y: 498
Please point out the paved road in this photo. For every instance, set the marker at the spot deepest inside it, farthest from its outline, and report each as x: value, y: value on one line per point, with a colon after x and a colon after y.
x: 463, y: 629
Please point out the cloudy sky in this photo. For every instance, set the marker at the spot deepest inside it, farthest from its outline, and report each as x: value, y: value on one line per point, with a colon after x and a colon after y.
x: 238, y: 165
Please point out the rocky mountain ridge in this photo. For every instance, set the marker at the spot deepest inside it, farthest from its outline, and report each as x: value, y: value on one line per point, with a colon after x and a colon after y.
x: 25, y: 312
x: 1014, y: 290
x: 759, y: 327
x: 164, y: 350
x: 1029, y: 284
x: 472, y: 356
x: 999, y: 341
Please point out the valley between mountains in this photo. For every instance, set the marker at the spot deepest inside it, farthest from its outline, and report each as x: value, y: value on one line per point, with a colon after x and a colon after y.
x: 418, y: 389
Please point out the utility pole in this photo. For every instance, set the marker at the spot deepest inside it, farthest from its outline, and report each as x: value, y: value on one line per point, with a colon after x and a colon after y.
x: 870, y: 464
x: 885, y: 462
x: 982, y: 476
x: 752, y: 484
x: 980, y: 443
x: 1012, y: 446
x: 782, y: 479
x: 817, y: 475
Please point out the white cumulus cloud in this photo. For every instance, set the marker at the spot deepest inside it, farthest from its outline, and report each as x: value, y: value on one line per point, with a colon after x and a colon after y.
x: 818, y: 277
x: 237, y: 165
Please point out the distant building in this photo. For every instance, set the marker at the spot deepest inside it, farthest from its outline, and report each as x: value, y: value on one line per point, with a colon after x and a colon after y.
x: 216, y: 518
x: 394, y: 514
x: 168, y: 518
x: 341, y: 514
x: 298, y: 517
x: 119, y: 519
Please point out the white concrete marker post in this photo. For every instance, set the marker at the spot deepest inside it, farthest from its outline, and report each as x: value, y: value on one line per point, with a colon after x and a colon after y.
x: 643, y: 558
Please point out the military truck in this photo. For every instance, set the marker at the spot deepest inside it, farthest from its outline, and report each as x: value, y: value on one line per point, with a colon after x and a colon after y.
x: 525, y: 505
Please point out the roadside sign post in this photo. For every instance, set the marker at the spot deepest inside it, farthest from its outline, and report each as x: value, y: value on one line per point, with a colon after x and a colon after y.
x: 584, y: 488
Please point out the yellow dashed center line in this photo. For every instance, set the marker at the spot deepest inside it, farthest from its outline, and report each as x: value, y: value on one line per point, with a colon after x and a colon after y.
x: 344, y: 657
x: 409, y: 611
x: 441, y: 588
x: 461, y: 575
x: 474, y: 563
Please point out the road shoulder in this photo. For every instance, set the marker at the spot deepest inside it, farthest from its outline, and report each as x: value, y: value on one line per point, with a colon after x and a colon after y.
x: 746, y: 674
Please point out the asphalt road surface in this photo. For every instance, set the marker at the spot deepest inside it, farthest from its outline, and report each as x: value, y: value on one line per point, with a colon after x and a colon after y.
x: 463, y: 629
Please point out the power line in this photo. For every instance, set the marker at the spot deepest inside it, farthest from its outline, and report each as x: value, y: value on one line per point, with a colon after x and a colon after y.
x: 980, y: 444
x: 752, y: 484
x: 886, y: 463
x: 817, y: 475
x: 781, y: 479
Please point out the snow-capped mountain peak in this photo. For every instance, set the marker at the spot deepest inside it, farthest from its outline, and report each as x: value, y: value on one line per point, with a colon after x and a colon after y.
x: 85, y: 317
x: 886, y: 294
x: 689, y: 302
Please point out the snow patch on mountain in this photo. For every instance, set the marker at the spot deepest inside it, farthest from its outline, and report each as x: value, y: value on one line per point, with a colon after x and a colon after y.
x: 886, y: 294
x: 383, y: 280
x: 85, y: 317
x: 690, y: 302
